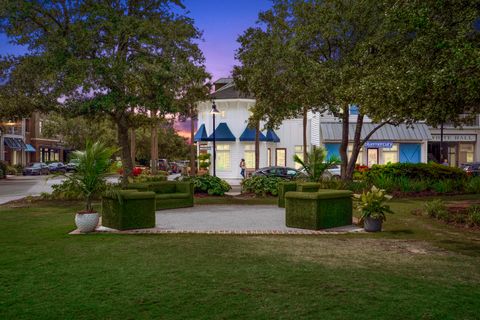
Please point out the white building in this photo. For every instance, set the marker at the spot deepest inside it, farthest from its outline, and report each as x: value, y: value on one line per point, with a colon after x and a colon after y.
x: 235, y: 141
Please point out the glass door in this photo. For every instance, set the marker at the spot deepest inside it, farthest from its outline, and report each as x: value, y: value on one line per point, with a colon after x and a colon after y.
x: 372, y: 157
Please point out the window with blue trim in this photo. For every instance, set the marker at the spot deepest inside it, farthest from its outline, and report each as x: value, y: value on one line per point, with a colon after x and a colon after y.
x: 354, y: 111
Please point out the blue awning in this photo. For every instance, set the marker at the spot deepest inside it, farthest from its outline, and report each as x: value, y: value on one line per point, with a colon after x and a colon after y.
x: 222, y: 133
x: 272, y: 136
x: 201, y: 134
x: 30, y: 148
x: 249, y: 135
x: 14, y: 143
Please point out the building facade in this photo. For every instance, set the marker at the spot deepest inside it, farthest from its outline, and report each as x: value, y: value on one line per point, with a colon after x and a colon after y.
x: 235, y: 141
x: 47, y: 149
x: 15, y: 147
x: 460, y: 145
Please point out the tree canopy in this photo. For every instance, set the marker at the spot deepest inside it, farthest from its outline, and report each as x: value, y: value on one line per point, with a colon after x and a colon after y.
x: 112, y: 58
x: 398, y: 61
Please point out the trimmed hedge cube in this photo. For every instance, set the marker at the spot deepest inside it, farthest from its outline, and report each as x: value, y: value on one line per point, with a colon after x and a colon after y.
x: 284, y: 187
x: 168, y: 194
x: 318, y: 210
x: 128, y: 209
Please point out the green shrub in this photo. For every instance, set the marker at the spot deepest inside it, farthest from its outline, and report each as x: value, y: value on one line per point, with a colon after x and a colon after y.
x: 161, y: 176
x: 384, y: 182
x: 214, y: 186
x: 204, y: 160
x: 417, y: 171
x: 443, y: 186
x: 473, y: 215
x: 18, y: 168
x: 473, y: 185
x: 371, y: 204
x: 436, y: 208
x: 262, y: 185
x: 11, y: 170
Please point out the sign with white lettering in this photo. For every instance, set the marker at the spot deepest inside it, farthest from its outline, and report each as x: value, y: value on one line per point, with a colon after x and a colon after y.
x: 378, y: 144
x: 455, y: 137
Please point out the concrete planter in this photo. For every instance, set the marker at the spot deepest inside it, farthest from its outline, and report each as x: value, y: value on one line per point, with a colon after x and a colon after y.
x: 372, y: 225
x: 86, y: 222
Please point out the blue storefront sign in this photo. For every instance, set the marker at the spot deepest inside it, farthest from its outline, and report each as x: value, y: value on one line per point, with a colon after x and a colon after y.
x: 378, y: 144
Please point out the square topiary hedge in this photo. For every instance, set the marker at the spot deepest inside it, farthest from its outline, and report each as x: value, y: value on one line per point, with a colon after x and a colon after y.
x: 318, y: 210
x: 128, y: 209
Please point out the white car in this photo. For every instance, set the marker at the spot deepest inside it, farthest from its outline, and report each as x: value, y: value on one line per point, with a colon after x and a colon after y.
x: 333, y: 172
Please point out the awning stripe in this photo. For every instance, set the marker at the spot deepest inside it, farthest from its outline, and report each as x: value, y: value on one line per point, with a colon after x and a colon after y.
x: 222, y: 133
x: 249, y: 135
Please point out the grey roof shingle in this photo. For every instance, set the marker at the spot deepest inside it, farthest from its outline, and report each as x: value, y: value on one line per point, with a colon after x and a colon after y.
x: 331, y: 131
x: 229, y: 91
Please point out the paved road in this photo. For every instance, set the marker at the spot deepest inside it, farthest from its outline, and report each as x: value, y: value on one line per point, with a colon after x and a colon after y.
x: 17, y: 187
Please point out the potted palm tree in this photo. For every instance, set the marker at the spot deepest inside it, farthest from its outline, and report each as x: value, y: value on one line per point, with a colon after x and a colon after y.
x: 93, y: 165
x: 373, y: 209
x: 316, y: 163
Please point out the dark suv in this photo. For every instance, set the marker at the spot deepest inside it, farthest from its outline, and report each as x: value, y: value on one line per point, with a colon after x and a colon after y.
x: 281, y: 172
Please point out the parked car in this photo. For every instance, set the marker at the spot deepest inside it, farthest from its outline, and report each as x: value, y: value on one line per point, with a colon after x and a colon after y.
x: 163, y: 165
x: 334, y: 172
x: 472, y: 169
x: 71, y: 166
x: 174, y: 168
x: 281, y: 172
x: 57, y: 167
x: 36, y: 169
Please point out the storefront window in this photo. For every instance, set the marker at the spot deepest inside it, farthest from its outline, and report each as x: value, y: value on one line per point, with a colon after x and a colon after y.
x: 269, y: 157
x: 360, y: 154
x: 299, y: 153
x: 281, y: 157
x: 466, y: 153
x: 390, y: 155
x: 249, y: 156
x: 223, y: 157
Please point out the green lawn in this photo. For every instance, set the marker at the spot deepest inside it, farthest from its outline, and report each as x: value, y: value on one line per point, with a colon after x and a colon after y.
x: 417, y: 269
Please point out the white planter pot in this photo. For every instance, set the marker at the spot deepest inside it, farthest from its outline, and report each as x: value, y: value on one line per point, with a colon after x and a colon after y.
x: 86, y: 222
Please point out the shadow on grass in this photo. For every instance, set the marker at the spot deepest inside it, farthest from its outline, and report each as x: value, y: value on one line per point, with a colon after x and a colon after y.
x: 462, y: 247
x: 400, y: 232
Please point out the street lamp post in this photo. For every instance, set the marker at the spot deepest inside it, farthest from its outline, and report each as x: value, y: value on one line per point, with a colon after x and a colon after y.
x: 214, y: 112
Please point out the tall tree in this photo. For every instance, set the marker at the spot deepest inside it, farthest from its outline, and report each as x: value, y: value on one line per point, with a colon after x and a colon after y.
x: 97, y: 52
x: 193, y: 90
x: 334, y: 53
x: 272, y: 70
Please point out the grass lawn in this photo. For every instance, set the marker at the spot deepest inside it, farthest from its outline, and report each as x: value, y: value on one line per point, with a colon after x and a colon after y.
x: 417, y: 269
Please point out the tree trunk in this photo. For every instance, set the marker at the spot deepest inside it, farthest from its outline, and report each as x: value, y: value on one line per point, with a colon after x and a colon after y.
x: 344, y: 144
x: 133, y: 144
x: 123, y: 142
x: 193, y: 167
x: 357, y: 145
x: 154, y: 144
x: 257, y: 146
x: 305, y: 123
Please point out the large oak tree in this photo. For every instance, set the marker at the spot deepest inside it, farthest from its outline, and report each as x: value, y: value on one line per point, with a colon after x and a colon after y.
x: 97, y: 57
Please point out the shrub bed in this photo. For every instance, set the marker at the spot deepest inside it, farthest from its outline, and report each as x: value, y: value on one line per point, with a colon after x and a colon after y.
x: 418, y: 171
x: 208, y: 184
x: 262, y: 185
x: 462, y: 214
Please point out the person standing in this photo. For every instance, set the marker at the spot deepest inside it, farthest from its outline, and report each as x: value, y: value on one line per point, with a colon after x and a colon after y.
x: 242, y: 168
